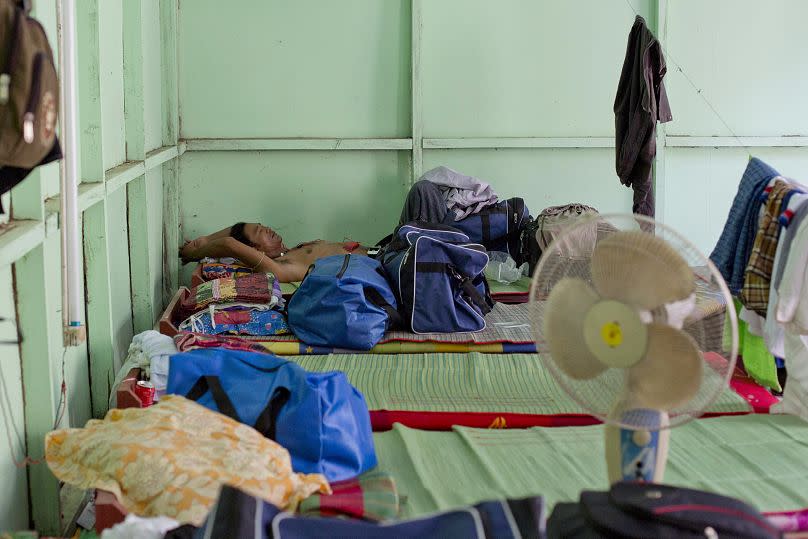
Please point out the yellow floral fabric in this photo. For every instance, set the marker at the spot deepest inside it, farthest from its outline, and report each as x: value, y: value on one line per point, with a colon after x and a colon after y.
x: 171, y: 459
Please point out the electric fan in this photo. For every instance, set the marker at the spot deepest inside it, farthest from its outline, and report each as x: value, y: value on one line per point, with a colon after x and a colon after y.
x: 640, y: 330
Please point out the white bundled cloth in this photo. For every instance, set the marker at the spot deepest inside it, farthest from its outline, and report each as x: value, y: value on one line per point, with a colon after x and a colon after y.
x: 135, y: 527
x: 463, y: 194
x: 150, y: 352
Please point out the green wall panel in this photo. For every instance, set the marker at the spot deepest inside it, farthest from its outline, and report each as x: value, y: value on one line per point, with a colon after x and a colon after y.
x: 543, y: 177
x: 76, y: 367
x: 303, y: 195
x: 14, y: 492
x: 519, y: 68
x: 699, y: 193
x: 111, y: 46
x: 295, y: 69
x: 154, y: 207
x: 748, y: 58
x: 118, y: 238
x: 152, y: 78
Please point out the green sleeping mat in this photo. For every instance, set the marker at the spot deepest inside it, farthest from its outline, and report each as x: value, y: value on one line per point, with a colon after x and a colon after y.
x: 757, y: 458
x: 474, y: 382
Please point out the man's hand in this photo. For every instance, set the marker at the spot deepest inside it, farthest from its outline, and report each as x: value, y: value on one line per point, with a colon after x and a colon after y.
x: 191, y: 250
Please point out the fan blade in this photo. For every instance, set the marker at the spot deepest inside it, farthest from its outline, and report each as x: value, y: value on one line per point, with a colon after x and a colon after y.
x: 670, y: 373
x: 640, y: 269
x: 567, y: 306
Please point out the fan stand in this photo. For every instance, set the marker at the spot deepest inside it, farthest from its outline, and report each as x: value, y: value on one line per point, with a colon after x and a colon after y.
x: 637, y: 455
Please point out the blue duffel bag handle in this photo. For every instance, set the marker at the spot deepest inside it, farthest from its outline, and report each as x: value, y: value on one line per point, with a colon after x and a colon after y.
x: 471, y: 292
x: 267, y: 419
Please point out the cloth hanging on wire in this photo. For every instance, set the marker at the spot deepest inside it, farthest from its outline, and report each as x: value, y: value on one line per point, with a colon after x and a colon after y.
x: 641, y: 100
x: 731, y: 252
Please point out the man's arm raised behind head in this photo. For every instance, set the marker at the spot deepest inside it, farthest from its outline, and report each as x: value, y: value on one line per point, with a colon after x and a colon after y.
x: 250, y: 257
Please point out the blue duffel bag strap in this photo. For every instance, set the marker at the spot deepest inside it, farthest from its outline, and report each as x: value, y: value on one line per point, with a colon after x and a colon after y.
x: 376, y: 298
x: 267, y: 419
x: 469, y: 290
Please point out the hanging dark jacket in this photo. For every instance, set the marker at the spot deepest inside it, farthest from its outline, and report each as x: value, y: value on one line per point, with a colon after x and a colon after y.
x: 641, y: 101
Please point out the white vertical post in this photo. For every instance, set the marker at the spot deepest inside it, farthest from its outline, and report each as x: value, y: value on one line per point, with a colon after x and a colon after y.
x: 70, y: 225
x: 417, y: 111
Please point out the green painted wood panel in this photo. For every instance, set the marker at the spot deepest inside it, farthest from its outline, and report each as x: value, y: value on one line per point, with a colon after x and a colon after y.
x: 701, y: 183
x: 14, y: 494
x: 90, y: 110
x: 139, y: 253
x: 309, y: 68
x: 152, y: 77
x: 171, y: 230
x: 111, y: 67
x: 519, y: 68
x: 543, y: 177
x: 145, y: 214
x: 748, y: 58
x: 168, y: 41
x: 118, y: 239
x: 154, y: 216
x: 304, y: 196
x: 134, y: 99
x: 100, y: 331
x: 76, y: 370
x: 34, y: 301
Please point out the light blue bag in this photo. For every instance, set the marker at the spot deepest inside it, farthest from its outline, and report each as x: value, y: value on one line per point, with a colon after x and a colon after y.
x: 320, y: 418
x: 345, y: 301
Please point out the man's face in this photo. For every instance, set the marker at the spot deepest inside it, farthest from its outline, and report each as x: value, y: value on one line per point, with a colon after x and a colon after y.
x: 264, y: 239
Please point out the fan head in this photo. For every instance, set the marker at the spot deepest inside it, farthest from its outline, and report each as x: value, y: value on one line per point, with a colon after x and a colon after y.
x: 641, y: 321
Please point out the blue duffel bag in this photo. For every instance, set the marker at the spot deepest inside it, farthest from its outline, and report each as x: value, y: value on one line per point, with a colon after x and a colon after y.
x: 497, y: 227
x: 344, y: 301
x: 238, y: 514
x: 437, y: 275
x: 320, y: 418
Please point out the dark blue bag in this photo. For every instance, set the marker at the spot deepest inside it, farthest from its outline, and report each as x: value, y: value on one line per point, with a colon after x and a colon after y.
x: 344, y: 301
x: 438, y: 278
x: 237, y: 514
x: 320, y: 418
x: 496, y: 227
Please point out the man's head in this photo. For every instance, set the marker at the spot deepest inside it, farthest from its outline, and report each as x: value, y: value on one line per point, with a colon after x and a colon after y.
x: 260, y: 237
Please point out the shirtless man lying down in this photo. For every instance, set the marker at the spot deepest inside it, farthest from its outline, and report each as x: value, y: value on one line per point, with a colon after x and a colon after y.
x: 262, y: 249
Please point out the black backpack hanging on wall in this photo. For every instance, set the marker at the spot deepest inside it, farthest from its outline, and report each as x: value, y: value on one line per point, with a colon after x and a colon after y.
x: 29, y: 95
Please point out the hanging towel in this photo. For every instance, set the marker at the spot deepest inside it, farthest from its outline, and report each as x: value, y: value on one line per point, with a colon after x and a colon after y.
x: 792, y: 307
x: 641, y: 100
x: 463, y: 194
x: 731, y: 253
x: 757, y: 280
x: 773, y: 331
x: 757, y: 360
x: 795, y: 396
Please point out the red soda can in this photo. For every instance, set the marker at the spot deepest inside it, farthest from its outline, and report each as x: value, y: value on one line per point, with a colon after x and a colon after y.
x: 145, y: 392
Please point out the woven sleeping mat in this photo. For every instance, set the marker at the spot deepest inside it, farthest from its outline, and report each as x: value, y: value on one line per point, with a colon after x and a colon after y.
x: 756, y: 458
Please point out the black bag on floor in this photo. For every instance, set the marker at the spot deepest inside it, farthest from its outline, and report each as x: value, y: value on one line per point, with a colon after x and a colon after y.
x: 496, y: 227
x: 237, y: 514
x: 660, y: 511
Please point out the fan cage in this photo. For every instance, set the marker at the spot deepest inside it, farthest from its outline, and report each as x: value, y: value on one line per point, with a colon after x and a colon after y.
x: 712, y: 324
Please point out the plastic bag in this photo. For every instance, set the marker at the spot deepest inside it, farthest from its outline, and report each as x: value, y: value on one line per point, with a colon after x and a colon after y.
x: 502, y: 268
